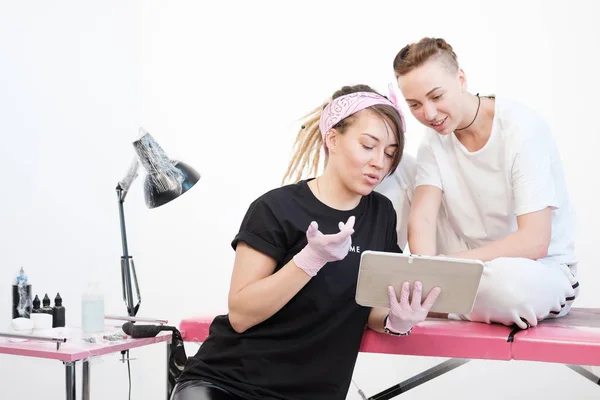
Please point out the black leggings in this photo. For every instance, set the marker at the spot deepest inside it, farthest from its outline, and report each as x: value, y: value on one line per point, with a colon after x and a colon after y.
x: 200, y: 390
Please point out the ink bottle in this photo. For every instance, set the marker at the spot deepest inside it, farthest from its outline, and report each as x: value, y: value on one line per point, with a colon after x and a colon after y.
x: 58, y: 312
x: 46, y: 308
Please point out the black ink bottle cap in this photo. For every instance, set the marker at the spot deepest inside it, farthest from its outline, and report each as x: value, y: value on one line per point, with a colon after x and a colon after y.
x: 57, y: 300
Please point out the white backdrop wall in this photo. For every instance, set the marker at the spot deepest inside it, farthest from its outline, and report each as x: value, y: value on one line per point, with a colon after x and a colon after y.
x: 221, y: 86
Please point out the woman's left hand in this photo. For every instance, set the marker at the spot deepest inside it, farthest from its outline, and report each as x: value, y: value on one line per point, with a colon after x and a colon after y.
x: 404, y: 314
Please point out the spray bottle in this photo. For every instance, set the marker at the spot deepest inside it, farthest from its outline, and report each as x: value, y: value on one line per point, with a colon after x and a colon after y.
x: 21, y: 296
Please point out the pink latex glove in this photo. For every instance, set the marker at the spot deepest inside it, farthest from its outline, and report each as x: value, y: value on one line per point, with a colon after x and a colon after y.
x: 404, y: 314
x: 322, y: 249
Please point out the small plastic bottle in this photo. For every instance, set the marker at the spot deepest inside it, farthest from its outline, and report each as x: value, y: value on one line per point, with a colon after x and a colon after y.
x: 41, y: 319
x: 92, y: 309
x: 46, y: 308
x: 58, y: 312
x: 36, y: 305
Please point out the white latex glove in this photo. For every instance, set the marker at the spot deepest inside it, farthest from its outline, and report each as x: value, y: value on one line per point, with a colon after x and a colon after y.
x: 515, y: 290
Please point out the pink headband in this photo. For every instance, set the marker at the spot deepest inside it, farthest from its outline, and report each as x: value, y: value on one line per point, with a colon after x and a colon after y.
x: 349, y: 104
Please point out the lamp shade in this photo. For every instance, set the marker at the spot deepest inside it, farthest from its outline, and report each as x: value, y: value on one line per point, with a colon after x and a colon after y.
x: 156, y: 195
x: 166, y: 179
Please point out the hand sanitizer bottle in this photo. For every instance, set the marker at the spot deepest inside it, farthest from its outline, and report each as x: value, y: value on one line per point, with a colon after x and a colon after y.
x: 92, y: 309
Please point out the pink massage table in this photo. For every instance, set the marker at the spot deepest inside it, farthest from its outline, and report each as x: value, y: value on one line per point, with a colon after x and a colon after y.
x: 573, y: 340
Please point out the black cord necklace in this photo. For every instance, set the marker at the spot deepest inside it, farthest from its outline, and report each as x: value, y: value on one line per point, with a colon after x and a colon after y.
x: 475, y: 117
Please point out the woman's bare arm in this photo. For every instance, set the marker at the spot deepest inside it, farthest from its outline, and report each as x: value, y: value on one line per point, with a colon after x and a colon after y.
x: 256, y: 293
x: 422, y: 221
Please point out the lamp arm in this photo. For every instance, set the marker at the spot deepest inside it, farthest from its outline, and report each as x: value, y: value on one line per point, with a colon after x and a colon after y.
x: 130, y: 176
x: 127, y: 264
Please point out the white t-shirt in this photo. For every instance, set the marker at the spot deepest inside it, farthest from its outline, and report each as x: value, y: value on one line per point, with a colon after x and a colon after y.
x: 518, y: 171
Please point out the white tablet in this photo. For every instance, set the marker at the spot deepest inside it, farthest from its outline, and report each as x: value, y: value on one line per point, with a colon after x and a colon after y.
x: 458, y: 278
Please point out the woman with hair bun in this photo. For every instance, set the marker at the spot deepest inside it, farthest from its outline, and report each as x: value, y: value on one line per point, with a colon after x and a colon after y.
x: 489, y: 185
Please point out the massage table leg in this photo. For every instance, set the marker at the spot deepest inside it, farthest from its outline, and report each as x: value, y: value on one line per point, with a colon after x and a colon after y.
x: 419, y: 379
x: 585, y: 372
x: 449, y: 365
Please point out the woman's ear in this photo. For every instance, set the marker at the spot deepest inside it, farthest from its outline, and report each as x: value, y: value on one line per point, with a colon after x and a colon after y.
x: 462, y: 78
x: 331, y: 140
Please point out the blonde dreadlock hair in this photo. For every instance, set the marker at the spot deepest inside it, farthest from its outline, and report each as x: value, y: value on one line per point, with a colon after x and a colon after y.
x: 309, y: 140
x: 308, y: 144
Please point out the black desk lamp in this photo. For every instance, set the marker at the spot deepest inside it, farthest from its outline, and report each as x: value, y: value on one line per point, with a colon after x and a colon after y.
x: 166, y: 180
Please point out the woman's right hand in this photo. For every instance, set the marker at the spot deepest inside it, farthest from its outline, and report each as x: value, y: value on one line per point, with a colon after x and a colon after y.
x: 322, y: 249
x: 405, y: 314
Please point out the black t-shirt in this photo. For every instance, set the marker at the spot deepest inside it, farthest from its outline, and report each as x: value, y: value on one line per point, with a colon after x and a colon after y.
x: 308, y: 349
